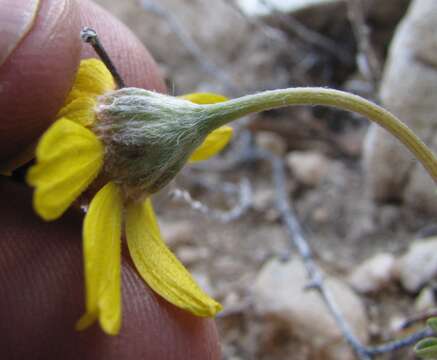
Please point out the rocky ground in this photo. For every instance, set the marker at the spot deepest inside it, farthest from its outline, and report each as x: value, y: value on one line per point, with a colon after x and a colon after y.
x: 376, y: 245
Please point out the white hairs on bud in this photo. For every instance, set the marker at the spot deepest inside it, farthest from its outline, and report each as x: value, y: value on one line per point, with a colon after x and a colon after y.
x: 148, y: 136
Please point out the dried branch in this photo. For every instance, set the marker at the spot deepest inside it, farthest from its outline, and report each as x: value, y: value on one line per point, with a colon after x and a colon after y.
x: 418, y: 318
x: 391, y: 346
x: 244, y: 201
x: 367, y: 60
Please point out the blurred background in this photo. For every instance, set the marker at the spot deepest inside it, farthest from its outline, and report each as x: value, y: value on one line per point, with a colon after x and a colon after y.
x: 366, y: 207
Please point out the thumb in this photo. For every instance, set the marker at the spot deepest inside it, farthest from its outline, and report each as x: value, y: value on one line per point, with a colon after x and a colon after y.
x: 38, y: 60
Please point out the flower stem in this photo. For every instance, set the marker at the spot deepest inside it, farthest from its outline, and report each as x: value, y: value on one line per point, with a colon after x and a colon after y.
x: 225, y: 112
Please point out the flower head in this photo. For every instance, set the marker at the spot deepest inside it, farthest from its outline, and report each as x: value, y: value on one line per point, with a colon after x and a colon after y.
x: 148, y: 136
x: 137, y: 146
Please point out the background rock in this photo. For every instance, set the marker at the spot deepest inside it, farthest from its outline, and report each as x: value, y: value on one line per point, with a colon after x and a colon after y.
x: 176, y: 233
x: 309, y: 167
x: 425, y: 300
x: 271, y: 142
x: 419, y: 265
x: 280, y: 297
x: 373, y: 274
x: 408, y: 89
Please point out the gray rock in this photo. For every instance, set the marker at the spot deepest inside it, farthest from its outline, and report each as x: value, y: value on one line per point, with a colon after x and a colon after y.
x: 425, y: 300
x: 264, y: 198
x: 309, y: 167
x: 408, y: 89
x: 176, y: 233
x: 270, y: 141
x: 419, y: 265
x: 373, y: 274
x: 191, y: 254
x: 280, y: 297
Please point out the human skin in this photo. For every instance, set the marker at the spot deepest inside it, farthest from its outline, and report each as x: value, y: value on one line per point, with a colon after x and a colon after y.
x: 41, y: 276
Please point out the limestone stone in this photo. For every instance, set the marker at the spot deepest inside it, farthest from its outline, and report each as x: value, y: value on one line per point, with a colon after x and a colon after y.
x: 270, y: 141
x: 418, y: 265
x: 373, y: 274
x: 309, y: 167
x: 408, y: 90
x: 281, y: 298
x: 176, y: 233
x: 425, y: 300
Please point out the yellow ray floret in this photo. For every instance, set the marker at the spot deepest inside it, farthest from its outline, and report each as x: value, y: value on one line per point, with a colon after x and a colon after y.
x: 213, y: 144
x: 80, y: 110
x: 93, y: 79
x: 216, y: 140
x: 204, y: 98
x: 68, y: 158
x: 102, y: 258
x: 157, y: 265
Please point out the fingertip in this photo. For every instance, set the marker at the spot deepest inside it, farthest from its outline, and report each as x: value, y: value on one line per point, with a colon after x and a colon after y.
x: 16, y: 18
x: 37, y: 74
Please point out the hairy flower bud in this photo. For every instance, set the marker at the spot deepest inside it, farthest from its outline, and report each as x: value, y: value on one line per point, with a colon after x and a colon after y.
x: 148, y: 136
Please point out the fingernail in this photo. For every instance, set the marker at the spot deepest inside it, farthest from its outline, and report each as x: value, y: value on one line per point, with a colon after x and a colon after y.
x: 16, y: 19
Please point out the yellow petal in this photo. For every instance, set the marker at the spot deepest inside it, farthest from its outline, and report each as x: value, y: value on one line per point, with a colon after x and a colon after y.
x: 213, y: 144
x: 157, y: 265
x: 204, y: 98
x: 80, y: 110
x: 219, y: 138
x: 68, y: 158
x: 102, y: 260
x: 92, y: 79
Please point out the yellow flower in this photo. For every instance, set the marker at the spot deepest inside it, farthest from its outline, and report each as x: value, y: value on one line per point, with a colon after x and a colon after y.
x: 69, y: 157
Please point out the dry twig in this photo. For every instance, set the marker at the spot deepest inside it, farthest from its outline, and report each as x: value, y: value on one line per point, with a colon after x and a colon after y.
x: 421, y: 317
x: 243, y: 191
x: 367, y: 60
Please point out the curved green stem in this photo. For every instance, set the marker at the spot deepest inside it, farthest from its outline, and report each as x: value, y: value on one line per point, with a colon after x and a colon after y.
x: 225, y: 112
